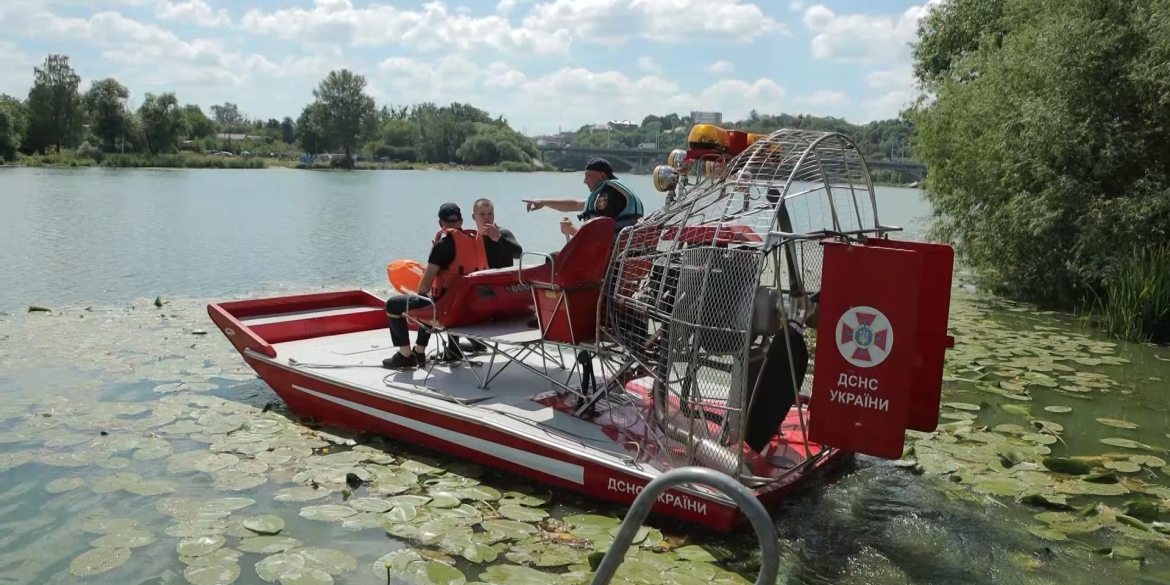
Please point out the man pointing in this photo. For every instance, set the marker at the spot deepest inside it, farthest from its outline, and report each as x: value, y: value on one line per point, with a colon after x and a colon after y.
x: 608, y: 197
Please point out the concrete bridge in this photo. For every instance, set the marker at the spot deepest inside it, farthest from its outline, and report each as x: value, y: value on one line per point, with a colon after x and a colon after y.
x: 643, y: 160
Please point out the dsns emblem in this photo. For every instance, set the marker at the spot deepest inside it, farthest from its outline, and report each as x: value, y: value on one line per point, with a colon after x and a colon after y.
x: 864, y: 337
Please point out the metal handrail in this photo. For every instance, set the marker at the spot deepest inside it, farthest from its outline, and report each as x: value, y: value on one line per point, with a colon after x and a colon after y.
x: 752, y: 508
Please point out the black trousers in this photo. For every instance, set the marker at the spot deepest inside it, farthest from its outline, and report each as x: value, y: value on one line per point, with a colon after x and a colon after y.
x: 396, y: 308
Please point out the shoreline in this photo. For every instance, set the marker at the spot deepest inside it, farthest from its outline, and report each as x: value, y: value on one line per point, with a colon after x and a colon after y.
x: 270, y: 164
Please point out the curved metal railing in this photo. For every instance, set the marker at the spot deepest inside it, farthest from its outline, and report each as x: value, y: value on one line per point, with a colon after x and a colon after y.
x: 752, y: 508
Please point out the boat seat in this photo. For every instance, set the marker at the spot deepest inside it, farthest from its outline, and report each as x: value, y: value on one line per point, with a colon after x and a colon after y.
x: 566, y: 299
x: 486, y: 296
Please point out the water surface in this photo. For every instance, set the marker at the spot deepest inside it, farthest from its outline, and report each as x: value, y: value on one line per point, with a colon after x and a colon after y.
x: 119, y: 419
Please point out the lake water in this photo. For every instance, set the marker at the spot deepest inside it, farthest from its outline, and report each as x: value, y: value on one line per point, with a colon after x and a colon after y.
x: 135, y: 450
x: 103, y: 236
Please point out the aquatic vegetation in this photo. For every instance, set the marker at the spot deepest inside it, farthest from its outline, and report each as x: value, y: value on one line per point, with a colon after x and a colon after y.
x: 222, y: 478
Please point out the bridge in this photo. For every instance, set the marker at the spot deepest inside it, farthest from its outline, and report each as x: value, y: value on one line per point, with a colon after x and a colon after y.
x: 643, y: 160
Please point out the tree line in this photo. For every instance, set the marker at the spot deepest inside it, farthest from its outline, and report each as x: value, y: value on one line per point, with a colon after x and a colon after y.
x: 884, y: 139
x: 342, y: 118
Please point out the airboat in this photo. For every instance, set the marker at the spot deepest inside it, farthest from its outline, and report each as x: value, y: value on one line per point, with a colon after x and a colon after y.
x: 689, y: 340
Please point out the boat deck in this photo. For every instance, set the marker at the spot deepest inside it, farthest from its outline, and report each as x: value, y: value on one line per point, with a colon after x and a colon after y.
x: 355, y: 360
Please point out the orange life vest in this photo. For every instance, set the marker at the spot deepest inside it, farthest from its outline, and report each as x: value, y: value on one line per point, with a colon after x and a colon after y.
x: 470, y: 256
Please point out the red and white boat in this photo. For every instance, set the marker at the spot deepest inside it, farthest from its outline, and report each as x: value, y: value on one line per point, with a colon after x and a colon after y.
x: 685, y: 342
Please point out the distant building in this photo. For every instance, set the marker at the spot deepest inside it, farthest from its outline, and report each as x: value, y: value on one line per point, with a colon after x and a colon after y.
x: 622, y: 125
x: 706, y: 117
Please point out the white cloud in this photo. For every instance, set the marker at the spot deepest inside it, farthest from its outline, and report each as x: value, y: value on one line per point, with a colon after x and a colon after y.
x: 719, y: 67
x: 431, y: 29
x: 863, y: 38
x: 668, y: 21
x: 568, y: 97
x: 796, y: 6
x: 646, y: 64
x: 17, y: 74
x: 504, y: 7
x: 894, y: 90
x: 193, y: 11
x: 826, y: 97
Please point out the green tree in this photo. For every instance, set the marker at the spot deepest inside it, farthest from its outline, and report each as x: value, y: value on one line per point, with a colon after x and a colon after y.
x: 1048, y: 138
x: 288, y: 131
x: 106, y: 104
x: 13, y: 126
x: 346, y: 112
x: 54, y: 104
x: 310, y: 134
x: 228, y: 116
x: 198, y: 124
x: 163, y: 122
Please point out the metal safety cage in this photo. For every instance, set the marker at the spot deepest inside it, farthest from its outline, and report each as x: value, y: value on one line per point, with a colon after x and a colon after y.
x: 710, y: 299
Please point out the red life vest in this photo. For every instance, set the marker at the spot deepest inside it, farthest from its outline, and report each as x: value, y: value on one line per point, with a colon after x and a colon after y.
x: 470, y: 256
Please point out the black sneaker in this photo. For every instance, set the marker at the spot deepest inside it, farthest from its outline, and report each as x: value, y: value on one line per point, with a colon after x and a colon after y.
x: 400, y: 362
x: 452, y: 353
x: 477, y: 347
x: 420, y: 359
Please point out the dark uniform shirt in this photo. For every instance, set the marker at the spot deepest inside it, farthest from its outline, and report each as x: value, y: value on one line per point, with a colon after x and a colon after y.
x: 443, y: 252
x: 499, y: 254
x: 610, y: 202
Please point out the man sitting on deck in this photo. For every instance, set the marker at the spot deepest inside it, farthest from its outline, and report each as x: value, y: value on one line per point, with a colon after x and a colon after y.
x: 500, y: 247
x: 455, y: 253
x: 608, y: 197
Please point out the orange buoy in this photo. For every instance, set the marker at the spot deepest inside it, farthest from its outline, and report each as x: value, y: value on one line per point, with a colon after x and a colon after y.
x: 405, y: 275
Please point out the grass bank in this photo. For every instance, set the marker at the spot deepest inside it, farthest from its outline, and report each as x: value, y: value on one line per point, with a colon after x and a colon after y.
x: 1135, y: 302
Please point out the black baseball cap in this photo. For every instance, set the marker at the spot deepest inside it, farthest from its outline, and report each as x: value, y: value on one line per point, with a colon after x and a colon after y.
x: 450, y: 212
x: 599, y: 164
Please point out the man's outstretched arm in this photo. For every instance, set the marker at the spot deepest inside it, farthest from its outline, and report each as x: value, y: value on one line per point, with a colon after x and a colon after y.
x: 565, y: 205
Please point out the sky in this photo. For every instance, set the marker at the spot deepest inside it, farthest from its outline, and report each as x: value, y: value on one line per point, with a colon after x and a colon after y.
x: 542, y: 64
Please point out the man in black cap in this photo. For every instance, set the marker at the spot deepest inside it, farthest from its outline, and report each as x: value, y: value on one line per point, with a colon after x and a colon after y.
x: 454, y: 254
x: 608, y: 197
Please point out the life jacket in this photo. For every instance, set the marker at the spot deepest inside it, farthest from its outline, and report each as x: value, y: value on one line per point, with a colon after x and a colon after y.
x: 470, y: 256
x: 628, y: 217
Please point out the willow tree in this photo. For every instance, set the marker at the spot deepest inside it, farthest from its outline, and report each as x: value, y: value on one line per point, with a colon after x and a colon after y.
x: 1046, y: 128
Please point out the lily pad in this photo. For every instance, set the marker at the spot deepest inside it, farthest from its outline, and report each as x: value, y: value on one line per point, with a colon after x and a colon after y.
x: 98, y: 560
x: 327, y: 512
x: 268, y: 544
x: 306, y: 576
x: 301, y: 494
x: 333, y: 562
x: 1059, y: 409
x: 509, y: 529
x: 375, y: 505
x: 517, y: 575
x: 212, y: 574
x: 695, y: 553
x: 1065, y: 465
x: 401, y: 513
x: 1049, y: 534
x: 1123, y: 466
x: 1117, y: 424
x: 522, y: 514
x: 200, y: 545
x: 1125, y: 444
x: 199, y: 527
x: 271, y: 568
x: 266, y: 524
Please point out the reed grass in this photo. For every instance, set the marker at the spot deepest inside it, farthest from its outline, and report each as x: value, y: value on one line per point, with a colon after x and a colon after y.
x: 1135, y: 301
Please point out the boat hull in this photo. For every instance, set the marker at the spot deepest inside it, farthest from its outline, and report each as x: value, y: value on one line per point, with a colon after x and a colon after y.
x: 528, y: 451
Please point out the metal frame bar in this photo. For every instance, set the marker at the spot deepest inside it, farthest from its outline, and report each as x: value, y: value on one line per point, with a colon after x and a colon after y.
x: 752, y: 509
